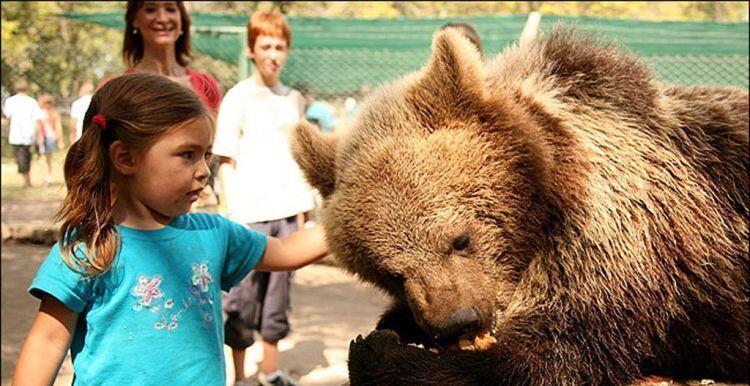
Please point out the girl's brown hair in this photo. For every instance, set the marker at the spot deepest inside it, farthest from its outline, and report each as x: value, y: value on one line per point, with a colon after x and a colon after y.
x: 132, y: 45
x: 138, y: 109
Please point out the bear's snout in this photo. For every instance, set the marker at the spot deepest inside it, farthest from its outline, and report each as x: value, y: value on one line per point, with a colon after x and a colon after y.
x: 451, y: 302
x: 462, y: 322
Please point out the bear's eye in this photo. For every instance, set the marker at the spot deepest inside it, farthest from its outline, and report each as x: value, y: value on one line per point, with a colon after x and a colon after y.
x: 461, y: 243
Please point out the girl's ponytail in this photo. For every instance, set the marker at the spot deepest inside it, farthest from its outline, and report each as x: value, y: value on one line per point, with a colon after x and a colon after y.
x: 86, y: 213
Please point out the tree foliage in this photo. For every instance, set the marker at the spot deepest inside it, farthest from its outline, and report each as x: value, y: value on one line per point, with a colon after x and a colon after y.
x: 54, y: 54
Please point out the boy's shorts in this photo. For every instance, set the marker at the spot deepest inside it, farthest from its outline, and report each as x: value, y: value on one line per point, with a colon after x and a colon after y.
x: 22, y: 154
x: 260, y: 302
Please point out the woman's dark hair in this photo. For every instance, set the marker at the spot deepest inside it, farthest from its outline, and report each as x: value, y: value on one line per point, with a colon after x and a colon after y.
x: 132, y: 45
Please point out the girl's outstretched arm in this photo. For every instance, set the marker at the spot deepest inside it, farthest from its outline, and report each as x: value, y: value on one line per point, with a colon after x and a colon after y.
x: 294, y: 251
x: 46, y: 345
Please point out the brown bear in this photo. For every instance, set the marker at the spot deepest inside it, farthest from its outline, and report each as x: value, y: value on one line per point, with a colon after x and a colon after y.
x: 592, y: 220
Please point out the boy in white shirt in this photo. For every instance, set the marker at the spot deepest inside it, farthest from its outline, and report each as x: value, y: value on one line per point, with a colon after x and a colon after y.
x: 263, y: 188
x: 23, y: 112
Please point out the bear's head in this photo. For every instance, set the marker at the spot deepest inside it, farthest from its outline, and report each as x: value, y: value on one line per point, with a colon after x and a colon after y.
x: 434, y: 194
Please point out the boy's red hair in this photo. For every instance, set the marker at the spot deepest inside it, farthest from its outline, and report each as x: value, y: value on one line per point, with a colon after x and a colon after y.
x: 268, y: 24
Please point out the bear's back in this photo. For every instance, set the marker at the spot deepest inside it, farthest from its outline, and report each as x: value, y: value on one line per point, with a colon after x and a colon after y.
x: 605, y: 106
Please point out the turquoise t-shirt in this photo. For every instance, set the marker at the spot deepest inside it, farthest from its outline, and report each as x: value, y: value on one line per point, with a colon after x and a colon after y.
x: 155, y: 318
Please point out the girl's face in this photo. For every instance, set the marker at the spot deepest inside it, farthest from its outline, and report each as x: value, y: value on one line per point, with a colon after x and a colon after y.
x: 171, y: 174
x: 269, y: 54
x: 158, y: 22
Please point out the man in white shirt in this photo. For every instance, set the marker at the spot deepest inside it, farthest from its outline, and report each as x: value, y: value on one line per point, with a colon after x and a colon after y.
x: 23, y: 112
x: 262, y: 187
x: 78, y: 111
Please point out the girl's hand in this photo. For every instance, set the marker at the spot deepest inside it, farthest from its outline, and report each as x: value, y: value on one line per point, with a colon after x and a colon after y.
x: 46, y: 345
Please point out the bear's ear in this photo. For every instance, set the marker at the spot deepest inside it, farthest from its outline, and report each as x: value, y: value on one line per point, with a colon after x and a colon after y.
x: 315, y: 153
x: 452, y: 83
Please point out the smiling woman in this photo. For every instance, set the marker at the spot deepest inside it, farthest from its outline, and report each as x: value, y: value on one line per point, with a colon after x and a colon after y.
x: 156, y: 26
x: 157, y: 41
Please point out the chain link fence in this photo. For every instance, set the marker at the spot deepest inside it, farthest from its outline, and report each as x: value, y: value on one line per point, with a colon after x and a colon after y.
x: 729, y: 70
x: 333, y: 57
x: 336, y: 59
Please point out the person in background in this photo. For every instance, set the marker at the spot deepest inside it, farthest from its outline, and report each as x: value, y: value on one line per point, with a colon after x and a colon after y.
x: 320, y: 114
x: 50, y: 133
x: 263, y: 188
x: 157, y: 41
x: 468, y: 31
x: 78, y: 110
x: 23, y: 112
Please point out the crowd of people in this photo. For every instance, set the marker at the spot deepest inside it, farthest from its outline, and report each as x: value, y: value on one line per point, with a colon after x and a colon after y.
x: 144, y: 148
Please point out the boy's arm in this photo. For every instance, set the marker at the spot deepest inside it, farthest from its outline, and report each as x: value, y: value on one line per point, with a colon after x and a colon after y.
x: 46, y: 345
x: 293, y: 251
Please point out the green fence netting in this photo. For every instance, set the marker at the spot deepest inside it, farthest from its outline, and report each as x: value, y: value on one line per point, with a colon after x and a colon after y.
x: 334, y: 57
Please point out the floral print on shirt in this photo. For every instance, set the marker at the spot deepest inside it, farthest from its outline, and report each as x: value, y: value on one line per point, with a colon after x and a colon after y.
x: 148, y: 290
x: 148, y: 294
x: 201, y: 276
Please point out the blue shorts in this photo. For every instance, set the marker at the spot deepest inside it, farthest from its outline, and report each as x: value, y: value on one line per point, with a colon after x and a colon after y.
x: 49, y: 147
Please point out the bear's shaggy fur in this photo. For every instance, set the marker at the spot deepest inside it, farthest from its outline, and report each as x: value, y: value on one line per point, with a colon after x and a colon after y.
x: 593, y: 219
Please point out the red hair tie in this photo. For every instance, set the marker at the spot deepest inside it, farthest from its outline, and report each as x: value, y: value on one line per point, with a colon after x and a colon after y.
x: 99, y: 121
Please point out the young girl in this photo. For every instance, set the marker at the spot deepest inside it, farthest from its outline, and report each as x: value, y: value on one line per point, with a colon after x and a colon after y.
x: 133, y: 286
